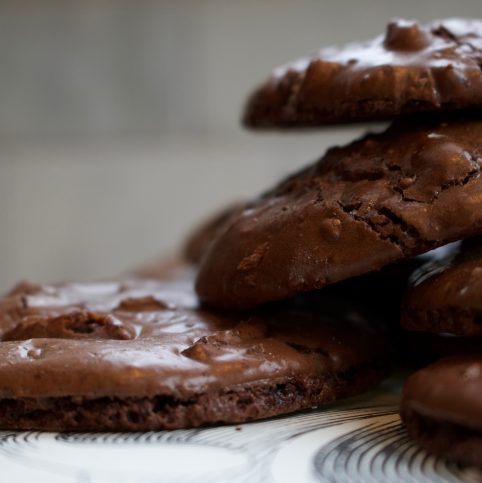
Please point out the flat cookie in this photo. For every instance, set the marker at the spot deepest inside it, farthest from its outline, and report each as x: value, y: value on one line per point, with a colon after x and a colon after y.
x: 410, y: 69
x: 446, y: 295
x: 383, y: 198
x: 141, y: 355
x: 442, y: 408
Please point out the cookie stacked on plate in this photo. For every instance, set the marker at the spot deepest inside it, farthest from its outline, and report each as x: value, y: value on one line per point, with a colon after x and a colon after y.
x: 384, y: 198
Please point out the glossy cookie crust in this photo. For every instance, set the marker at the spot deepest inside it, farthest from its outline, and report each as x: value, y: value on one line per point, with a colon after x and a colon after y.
x: 140, y: 354
x: 412, y: 69
x: 383, y: 198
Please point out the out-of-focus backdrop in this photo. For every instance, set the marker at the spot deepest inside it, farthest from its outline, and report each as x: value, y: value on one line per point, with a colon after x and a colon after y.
x: 119, y: 118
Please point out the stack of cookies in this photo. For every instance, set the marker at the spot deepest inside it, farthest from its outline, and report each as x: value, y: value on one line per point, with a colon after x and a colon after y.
x: 380, y: 200
x: 442, y: 403
x: 297, y: 292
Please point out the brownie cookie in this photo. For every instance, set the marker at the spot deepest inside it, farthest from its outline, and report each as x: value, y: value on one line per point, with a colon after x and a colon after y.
x: 140, y: 355
x: 380, y: 199
x: 442, y: 408
x: 446, y: 295
x: 410, y: 69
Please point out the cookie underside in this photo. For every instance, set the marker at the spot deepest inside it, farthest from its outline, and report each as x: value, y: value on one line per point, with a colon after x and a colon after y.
x: 450, y: 440
x: 235, y: 405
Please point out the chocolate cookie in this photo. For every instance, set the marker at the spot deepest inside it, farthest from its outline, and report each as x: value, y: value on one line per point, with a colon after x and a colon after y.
x: 380, y: 199
x: 446, y: 295
x: 141, y: 355
x: 442, y: 408
x: 411, y: 69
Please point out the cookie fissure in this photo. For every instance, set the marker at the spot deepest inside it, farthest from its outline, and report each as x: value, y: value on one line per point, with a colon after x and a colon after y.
x: 350, y: 210
x: 404, y: 235
x: 304, y: 349
x: 387, y: 225
x: 445, y: 34
x: 455, y: 182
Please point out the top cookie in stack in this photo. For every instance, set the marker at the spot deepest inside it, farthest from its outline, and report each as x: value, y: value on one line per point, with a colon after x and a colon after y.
x: 381, y: 199
x: 411, y: 69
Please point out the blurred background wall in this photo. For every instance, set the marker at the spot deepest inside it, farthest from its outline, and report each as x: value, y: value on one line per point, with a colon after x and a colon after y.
x: 119, y: 119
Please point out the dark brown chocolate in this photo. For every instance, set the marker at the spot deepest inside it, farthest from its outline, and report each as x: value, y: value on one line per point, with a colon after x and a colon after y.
x: 140, y: 354
x: 383, y: 198
x: 442, y: 408
x: 446, y: 295
x: 410, y: 69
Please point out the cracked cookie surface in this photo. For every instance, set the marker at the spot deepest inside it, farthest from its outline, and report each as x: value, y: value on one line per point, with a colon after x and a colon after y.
x: 380, y: 199
x: 411, y: 69
x: 140, y: 354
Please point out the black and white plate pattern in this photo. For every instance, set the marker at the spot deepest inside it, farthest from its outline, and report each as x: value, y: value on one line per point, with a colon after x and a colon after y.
x: 359, y: 441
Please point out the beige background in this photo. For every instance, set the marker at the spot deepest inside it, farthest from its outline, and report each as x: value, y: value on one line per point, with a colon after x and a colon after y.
x: 119, y: 119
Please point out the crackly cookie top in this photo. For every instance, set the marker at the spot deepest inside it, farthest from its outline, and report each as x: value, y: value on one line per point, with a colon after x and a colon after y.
x: 143, y: 337
x: 411, y: 68
x: 380, y: 199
